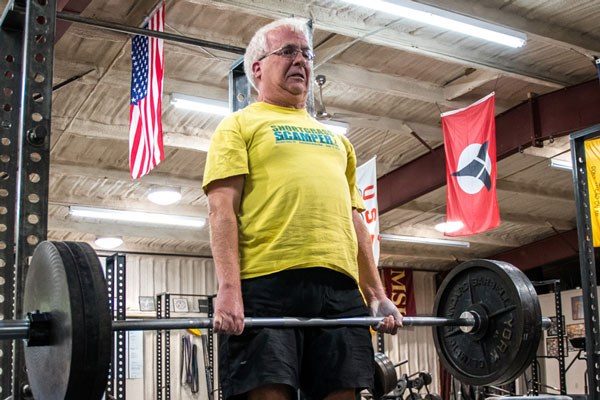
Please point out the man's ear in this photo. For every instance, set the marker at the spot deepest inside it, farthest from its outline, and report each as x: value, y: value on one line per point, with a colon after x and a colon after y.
x: 257, y: 70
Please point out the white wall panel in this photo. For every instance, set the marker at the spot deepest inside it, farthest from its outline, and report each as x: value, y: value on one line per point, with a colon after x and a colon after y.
x: 416, y: 343
x: 146, y: 276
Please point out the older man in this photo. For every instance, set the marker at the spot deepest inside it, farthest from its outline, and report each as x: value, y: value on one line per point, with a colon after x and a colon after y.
x: 287, y: 237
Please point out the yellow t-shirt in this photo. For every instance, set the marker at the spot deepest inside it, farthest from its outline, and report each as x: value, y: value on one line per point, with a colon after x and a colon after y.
x: 299, y: 190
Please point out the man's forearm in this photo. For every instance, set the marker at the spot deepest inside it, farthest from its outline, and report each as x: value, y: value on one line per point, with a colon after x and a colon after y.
x: 368, y: 276
x: 224, y: 245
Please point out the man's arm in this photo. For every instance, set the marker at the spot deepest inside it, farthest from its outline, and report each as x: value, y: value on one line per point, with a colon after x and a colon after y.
x: 369, y: 281
x: 224, y: 197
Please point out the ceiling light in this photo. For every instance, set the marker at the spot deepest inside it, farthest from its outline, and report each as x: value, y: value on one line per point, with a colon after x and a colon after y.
x: 558, y: 163
x: 108, y: 242
x: 447, y: 20
x: 201, y: 104
x: 338, y: 127
x: 164, y: 196
x: 136, y: 216
x: 424, y: 240
x: 449, y: 226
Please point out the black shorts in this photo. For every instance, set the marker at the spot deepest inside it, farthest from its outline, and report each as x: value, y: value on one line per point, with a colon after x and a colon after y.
x: 316, y: 360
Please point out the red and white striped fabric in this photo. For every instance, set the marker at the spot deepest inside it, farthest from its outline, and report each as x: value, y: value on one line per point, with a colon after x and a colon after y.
x: 145, y: 110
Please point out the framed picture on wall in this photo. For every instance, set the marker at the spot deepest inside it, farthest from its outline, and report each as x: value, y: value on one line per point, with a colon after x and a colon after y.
x: 147, y: 303
x: 552, y: 347
x: 553, y: 330
x: 180, y: 304
x: 577, y: 307
x: 575, y: 330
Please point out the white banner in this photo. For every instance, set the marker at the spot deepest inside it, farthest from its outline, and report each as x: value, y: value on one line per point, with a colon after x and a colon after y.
x: 366, y: 180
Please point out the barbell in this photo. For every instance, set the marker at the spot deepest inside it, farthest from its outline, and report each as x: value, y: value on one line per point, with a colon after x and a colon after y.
x: 486, y: 325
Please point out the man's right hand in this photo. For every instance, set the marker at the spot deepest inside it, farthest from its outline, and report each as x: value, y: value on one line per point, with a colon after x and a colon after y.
x: 229, y: 312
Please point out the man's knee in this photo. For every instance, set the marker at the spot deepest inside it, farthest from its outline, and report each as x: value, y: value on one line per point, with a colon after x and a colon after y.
x: 271, y: 392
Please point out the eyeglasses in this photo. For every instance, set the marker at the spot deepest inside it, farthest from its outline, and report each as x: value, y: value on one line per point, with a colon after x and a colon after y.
x: 290, y: 51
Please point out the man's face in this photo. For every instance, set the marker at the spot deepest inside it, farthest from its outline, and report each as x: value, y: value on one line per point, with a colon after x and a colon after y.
x: 281, y: 78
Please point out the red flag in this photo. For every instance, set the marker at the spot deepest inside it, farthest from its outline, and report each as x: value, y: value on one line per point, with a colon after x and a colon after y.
x: 470, y: 145
x: 145, y: 110
x: 399, y: 288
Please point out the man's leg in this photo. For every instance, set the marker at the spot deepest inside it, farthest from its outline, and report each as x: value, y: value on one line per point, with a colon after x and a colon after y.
x: 271, y: 392
x: 345, y: 394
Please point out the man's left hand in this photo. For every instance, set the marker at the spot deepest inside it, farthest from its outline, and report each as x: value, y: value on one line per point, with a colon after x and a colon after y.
x: 386, y: 308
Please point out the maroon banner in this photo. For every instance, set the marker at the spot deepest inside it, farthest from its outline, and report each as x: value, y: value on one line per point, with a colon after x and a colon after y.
x: 399, y: 288
x: 470, y: 145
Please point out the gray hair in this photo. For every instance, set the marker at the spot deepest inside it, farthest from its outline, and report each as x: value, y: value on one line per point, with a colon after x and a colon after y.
x: 258, y: 44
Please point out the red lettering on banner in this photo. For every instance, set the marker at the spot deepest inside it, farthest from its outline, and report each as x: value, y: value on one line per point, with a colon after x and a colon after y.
x: 367, y: 196
x: 399, y: 287
x: 399, y: 290
x: 371, y: 215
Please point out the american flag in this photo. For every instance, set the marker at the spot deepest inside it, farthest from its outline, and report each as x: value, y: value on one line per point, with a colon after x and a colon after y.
x: 145, y: 109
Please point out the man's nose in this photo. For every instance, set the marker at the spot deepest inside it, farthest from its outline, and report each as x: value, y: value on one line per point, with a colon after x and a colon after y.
x: 299, y: 59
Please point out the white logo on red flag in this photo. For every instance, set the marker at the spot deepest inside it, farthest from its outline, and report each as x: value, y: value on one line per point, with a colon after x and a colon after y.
x: 474, y: 168
x: 470, y: 146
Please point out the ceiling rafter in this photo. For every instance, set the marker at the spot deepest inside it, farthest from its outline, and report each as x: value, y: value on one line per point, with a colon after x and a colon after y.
x: 356, y: 25
x: 553, y: 34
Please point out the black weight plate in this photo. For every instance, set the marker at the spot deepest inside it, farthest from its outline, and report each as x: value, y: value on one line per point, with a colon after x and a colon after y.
x: 98, y: 321
x: 385, y: 376
x: 54, y: 284
x: 506, y: 348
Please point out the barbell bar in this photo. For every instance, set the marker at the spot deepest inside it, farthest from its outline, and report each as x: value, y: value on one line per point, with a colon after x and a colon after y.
x: 20, y: 329
x: 486, y: 325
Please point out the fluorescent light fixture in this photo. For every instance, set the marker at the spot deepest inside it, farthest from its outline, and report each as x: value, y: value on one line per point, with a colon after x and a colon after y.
x: 136, y: 216
x: 338, y: 127
x: 565, y: 165
x: 108, y: 242
x: 201, y: 104
x: 449, y: 226
x: 425, y: 240
x: 164, y: 196
x: 446, y: 20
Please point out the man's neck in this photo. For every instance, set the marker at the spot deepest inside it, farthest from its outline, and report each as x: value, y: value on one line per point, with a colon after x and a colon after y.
x: 283, y: 103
